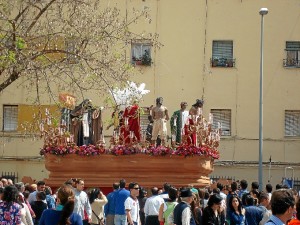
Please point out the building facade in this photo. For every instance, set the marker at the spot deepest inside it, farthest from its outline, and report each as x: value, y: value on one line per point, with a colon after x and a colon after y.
x: 211, y: 51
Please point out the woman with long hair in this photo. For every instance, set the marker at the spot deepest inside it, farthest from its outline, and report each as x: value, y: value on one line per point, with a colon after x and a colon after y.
x: 63, y: 213
x: 10, y: 210
x: 236, y: 211
x: 97, y: 200
x: 196, y: 209
x: 211, y: 213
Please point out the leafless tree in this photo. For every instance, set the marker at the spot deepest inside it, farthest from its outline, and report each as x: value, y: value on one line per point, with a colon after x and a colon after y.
x: 72, y: 45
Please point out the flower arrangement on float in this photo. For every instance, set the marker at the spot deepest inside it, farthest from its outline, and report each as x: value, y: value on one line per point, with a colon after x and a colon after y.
x: 119, y: 150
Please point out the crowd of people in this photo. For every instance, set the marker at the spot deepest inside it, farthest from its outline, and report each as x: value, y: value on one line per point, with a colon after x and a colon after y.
x: 233, y: 204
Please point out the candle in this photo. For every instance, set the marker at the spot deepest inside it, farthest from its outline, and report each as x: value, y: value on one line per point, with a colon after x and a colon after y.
x: 173, y: 137
x: 41, y: 127
x: 211, y: 119
x: 131, y: 134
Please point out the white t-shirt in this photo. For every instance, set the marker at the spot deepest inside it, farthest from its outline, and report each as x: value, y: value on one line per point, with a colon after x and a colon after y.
x: 133, y: 206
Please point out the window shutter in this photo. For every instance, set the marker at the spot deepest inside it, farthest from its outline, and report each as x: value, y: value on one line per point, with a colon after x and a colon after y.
x: 292, y: 123
x: 222, y: 116
x: 293, y: 45
x: 223, y: 49
x: 10, y: 117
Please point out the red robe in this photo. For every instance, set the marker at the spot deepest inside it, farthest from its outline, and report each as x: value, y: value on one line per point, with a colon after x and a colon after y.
x: 132, y: 113
x: 191, y: 140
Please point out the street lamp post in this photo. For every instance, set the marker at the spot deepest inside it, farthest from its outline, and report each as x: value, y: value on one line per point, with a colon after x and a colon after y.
x: 262, y: 12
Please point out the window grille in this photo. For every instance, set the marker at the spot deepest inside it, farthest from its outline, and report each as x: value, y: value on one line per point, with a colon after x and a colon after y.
x: 141, y: 54
x: 222, y: 54
x: 292, y: 54
x: 222, y: 117
x: 292, y: 123
x: 10, y: 117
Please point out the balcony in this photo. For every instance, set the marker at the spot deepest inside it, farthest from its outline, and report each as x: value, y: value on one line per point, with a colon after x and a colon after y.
x: 291, y: 63
x: 222, y: 62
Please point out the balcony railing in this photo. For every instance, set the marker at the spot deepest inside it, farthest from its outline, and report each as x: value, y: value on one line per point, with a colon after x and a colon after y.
x: 222, y: 62
x: 294, y: 63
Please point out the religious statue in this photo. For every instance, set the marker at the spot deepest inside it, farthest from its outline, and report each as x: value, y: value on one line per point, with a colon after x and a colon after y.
x: 131, y: 118
x: 86, y: 124
x: 177, y: 122
x: 190, y: 129
x: 160, y: 116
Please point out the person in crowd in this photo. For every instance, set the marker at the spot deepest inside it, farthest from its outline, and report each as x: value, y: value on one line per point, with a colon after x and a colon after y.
x: 269, y: 189
x: 168, y: 206
x: 152, y: 206
x: 109, y: 208
x: 165, y: 191
x: 63, y: 213
x: 254, y: 214
x: 21, y: 188
x: 82, y: 204
x: 26, y: 194
x: 296, y: 220
x: 142, y: 200
x: 26, y: 217
x: 10, y: 182
x: 10, y: 210
x: 97, y: 201
x: 1, y: 193
x: 236, y: 211
x: 49, y: 198
x: 40, y: 186
x: 243, y: 188
x: 39, y: 206
x: 282, y: 205
x: 254, y: 186
x: 233, y: 190
x: 1, y: 184
x: 182, y: 213
x: 278, y: 186
x: 206, y: 198
x: 211, y: 213
x: 221, y: 188
x: 121, y: 195
x: 264, y: 205
x: 132, y: 204
x: 196, y: 209
x: 4, y: 182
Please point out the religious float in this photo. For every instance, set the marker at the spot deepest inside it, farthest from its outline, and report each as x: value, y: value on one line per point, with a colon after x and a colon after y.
x: 78, y: 149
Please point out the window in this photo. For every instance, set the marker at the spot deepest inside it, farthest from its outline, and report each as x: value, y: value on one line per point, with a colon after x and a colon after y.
x: 222, y: 54
x: 10, y: 117
x: 141, y: 54
x: 292, y: 123
x: 292, y: 54
x: 222, y: 117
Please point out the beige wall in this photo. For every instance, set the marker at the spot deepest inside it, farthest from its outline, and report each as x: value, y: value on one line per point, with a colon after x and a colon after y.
x: 181, y: 71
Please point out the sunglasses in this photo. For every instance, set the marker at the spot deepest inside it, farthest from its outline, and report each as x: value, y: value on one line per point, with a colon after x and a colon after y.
x: 136, y: 188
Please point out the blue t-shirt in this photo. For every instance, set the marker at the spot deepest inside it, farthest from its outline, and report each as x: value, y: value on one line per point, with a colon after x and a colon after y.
x: 109, y: 208
x: 51, y: 217
x: 120, y: 197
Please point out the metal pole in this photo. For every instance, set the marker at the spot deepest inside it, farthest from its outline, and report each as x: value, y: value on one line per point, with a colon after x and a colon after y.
x: 260, y: 172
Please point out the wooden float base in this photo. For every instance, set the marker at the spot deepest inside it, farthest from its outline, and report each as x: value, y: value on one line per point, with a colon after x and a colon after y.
x: 148, y: 171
